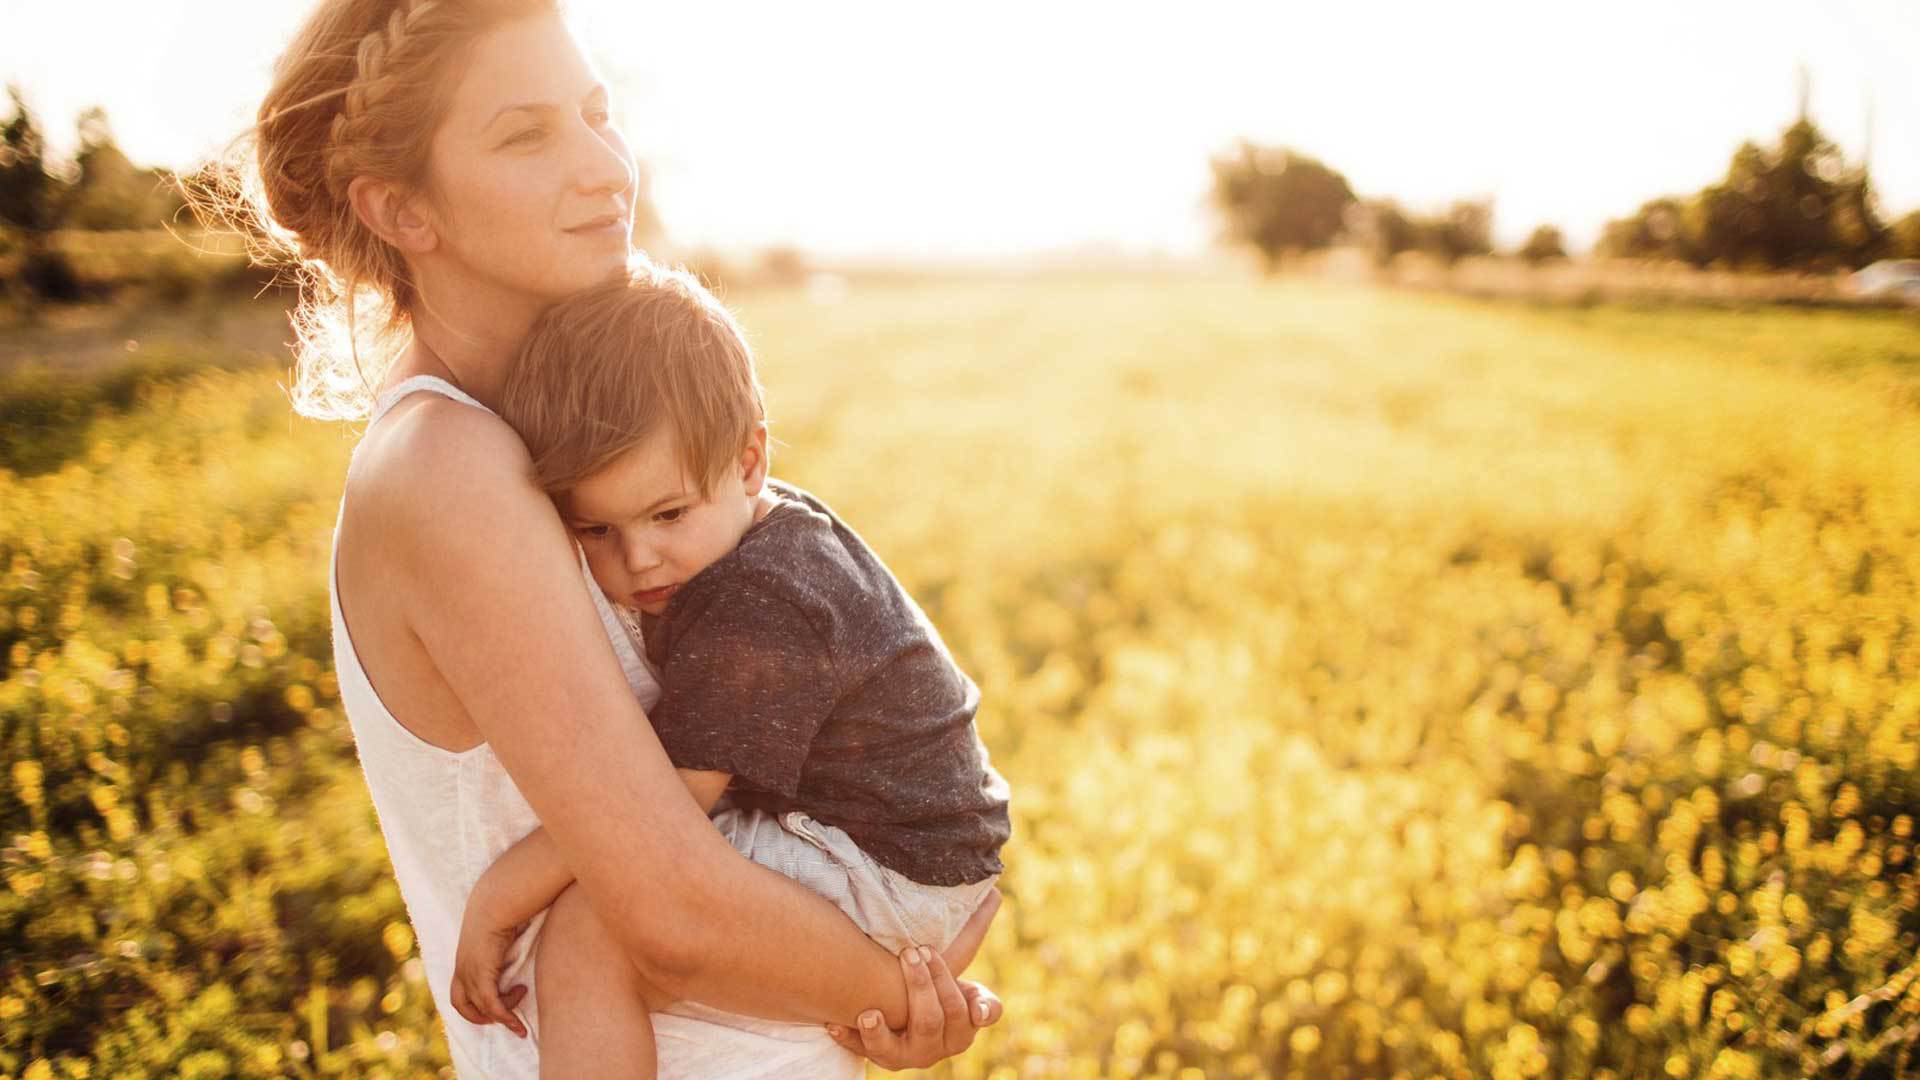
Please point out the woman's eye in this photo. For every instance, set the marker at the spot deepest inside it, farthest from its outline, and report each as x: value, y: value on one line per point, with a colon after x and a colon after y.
x: 599, y: 117
x: 527, y: 137
x: 595, y: 532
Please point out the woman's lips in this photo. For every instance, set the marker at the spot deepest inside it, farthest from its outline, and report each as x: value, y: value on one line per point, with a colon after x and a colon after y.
x: 601, y: 228
x: 654, y: 596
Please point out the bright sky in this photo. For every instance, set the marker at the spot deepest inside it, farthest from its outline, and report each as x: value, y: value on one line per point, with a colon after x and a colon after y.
x: 1005, y: 126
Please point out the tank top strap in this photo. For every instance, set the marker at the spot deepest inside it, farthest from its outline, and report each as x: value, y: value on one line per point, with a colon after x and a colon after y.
x: 432, y: 383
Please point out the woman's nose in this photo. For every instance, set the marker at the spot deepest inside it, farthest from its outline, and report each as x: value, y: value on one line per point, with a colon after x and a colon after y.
x: 605, y: 166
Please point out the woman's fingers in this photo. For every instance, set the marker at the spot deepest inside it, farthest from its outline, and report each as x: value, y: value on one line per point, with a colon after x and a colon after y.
x: 943, y: 1016
x: 961, y: 953
x: 846, y: 1038
x: 983, y: 1005
x: 956, y: 1027
x: 881, y: 1044
x: 920, y: 1044
x: 926, y: 1019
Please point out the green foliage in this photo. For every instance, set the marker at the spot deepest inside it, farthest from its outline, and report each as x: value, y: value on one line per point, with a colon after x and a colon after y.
x: 1797, y: 204
x: 1904, y: 237
x: 1658, y: 230
x: 110, y: 191
x: 30, y: 198
x: 1465, y: 228
x: 1543, y: 244
x: 1385, y: 229
x: 1357, y: 726
x: 1278, y: 201
x: 31, y: 203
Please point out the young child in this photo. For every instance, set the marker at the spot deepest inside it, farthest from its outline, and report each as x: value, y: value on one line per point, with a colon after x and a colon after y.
x: 799, y: 679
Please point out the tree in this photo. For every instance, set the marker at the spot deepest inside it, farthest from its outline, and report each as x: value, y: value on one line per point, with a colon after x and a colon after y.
x: 1658, y: 230
x: 1544, y: 243
x: 1797, y: 203
x: 783, y: 265
x: 111, y: 192
x: 1903, y: 239
x: 31, y: 201
x: 1383, y: 229
x: 1278, y: 201
x: 1465, y: 228
x: 30, y: 197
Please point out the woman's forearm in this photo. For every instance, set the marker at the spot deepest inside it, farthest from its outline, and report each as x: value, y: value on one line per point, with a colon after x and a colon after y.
x: 738, y: 936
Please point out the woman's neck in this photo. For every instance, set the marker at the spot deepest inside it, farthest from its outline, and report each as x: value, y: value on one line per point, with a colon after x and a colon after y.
x: 467, y: 336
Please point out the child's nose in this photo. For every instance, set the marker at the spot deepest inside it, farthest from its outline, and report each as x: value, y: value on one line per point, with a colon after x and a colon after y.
x: 641, y: 557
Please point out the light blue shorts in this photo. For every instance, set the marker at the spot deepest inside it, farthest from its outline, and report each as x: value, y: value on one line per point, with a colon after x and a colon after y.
x: 893, y: 909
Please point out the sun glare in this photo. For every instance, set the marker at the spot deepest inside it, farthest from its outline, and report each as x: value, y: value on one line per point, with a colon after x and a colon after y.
x: 918, y: 131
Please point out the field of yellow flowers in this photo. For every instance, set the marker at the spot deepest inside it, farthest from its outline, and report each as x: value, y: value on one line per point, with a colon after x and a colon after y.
x: 1390, y: 686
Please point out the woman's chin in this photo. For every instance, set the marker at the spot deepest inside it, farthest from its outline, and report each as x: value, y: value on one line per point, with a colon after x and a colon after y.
x: 611, y: 264
x: 584, y: 273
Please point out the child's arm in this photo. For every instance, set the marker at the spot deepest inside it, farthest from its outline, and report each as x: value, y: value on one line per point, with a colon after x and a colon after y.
x: 522, y: 882
x: 530, y: 875
x: 705, y: 785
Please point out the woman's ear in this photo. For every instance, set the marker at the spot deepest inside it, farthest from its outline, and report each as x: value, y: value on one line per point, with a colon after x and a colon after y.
x: 393, y: 215
x: 753, y: 460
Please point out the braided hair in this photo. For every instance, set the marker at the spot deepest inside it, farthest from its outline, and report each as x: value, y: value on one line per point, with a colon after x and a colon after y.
x: 358, y: 92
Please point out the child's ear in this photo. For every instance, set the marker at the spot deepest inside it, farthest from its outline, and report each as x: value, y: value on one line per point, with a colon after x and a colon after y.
x: 753, y: 460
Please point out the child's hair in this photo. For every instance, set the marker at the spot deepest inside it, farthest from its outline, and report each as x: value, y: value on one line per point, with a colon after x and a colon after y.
x: 603, y: 370
x: 358, y: 92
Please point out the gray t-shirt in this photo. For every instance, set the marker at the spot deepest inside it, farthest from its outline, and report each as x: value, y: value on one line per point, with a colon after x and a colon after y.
x: 797, y: 663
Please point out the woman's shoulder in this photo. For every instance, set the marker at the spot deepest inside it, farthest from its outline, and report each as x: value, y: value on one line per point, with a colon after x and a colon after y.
x: 435, y: 465
x: 426, y: 442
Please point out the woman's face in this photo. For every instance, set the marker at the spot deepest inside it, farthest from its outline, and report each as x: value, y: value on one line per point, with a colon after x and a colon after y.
x: 531, y: 187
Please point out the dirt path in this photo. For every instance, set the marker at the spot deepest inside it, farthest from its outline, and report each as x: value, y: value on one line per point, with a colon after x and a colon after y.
x: 91, y: 337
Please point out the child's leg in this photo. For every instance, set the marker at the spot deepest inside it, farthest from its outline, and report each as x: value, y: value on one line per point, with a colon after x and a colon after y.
x: 593, y: 1002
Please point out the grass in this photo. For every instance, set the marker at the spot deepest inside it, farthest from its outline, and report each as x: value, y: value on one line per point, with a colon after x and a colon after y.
x: 1391, y: 685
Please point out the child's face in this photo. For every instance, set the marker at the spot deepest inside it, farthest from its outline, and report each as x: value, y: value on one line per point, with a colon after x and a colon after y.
x: 646, y: 527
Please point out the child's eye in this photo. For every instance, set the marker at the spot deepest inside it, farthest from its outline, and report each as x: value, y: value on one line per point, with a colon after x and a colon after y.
x: 598, y: 117
x: 668, y: 517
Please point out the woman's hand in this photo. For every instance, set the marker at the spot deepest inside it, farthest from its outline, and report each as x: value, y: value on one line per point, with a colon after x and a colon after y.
x: 943, y: 1013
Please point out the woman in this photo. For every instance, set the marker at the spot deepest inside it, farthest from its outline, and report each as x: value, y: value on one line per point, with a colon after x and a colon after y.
x: 445, y: 169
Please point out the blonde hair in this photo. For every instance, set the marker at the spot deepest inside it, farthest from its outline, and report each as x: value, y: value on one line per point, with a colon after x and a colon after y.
x: 603, y: 370
x: 358, y: 92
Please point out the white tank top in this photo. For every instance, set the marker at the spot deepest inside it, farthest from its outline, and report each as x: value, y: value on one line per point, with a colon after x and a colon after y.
x: 447, y: 816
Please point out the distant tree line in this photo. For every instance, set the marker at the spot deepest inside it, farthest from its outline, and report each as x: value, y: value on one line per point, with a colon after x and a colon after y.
x: 1798, y: 204
x: 1281, y: 202
x: 1795, y: 205
x: 99, y: 190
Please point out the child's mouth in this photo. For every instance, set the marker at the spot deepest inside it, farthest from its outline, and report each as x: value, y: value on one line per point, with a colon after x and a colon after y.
x: 654, y: 597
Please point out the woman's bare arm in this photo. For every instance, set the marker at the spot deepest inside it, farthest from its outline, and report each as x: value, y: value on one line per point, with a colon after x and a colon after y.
x: 495, y: 594
x: 531, y: 875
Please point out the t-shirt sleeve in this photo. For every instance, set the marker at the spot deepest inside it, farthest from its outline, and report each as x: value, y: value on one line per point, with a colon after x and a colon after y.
x: 748, y: 682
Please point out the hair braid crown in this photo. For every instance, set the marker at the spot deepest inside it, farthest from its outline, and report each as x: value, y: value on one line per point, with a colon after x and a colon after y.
x: 371, y: 85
